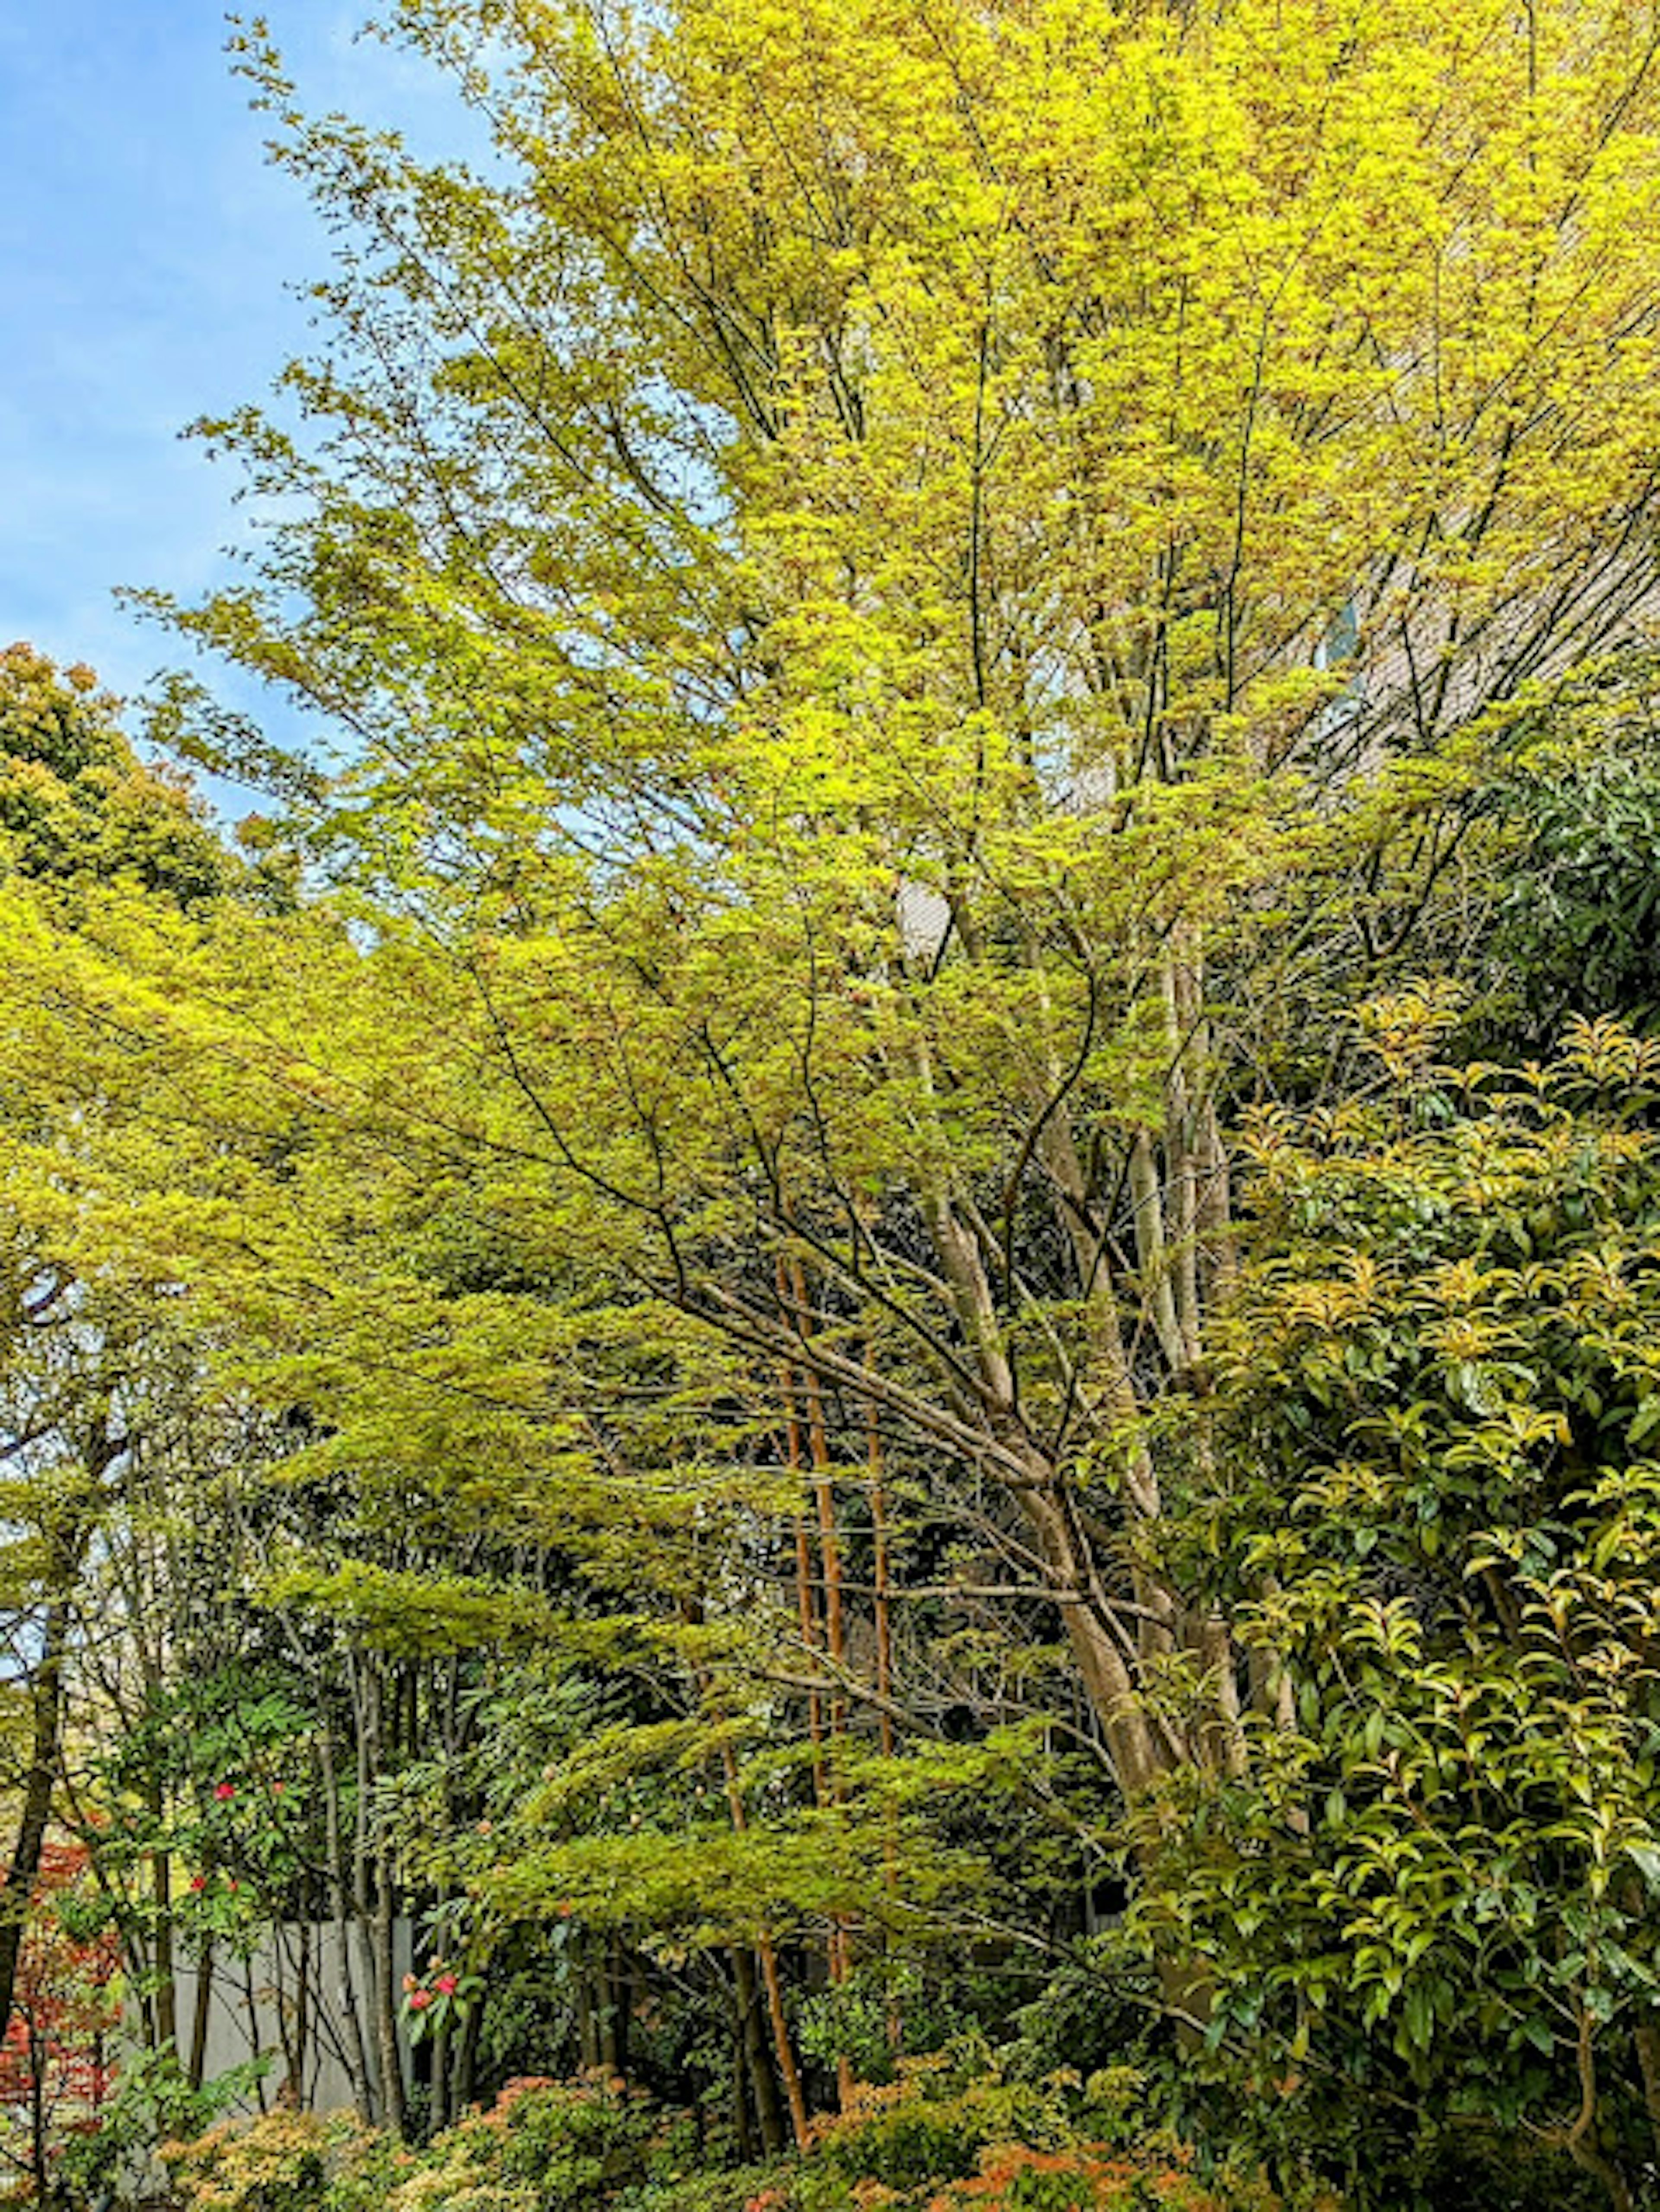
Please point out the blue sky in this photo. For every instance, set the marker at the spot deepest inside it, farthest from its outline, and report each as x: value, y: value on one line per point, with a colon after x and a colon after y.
x: 145, y: 247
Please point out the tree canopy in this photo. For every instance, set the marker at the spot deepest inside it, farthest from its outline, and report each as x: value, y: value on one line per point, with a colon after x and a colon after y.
x: 775, y: 1313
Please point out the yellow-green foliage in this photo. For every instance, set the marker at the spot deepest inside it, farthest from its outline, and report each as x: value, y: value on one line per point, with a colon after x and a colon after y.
x: 1031, y: 457
x: 1040, y: 459
x: 76, y: 803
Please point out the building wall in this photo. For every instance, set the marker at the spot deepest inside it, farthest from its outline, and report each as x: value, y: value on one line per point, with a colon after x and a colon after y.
x: 255, y: 2007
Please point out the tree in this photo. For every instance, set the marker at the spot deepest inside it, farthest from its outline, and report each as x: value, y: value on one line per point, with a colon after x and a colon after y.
x: 869, y: 565
x: 90, y: 1381
x: 55, y: 2057
x: 75, y: 802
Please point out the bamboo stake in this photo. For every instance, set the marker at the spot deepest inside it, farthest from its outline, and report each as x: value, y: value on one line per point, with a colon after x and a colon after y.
x: 766, y: 1951
x: 830, y: 1559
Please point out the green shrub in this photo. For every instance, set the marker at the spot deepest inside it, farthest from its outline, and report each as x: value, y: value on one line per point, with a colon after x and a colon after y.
x: 577, y: 2143
x: 736, y: 2189
x: 932, y: 2142
x: 280, y: 2163
x: 929, y: 2126
x: 1088, y: 2178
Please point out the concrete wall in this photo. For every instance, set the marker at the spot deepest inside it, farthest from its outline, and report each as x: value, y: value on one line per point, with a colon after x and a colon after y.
x: 254, y: 2007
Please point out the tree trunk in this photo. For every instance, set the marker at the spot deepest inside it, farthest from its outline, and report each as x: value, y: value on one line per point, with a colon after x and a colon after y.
x: 752, y: 2046
x: 384, y: 1996
x: 47, y: 1721
x: 838, y: 1953
x: 372, y: 1900
x: 201, y: 2012
x: 40, y: 2149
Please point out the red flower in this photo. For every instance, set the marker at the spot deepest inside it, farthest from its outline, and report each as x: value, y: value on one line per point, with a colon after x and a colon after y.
x: 419, y: 2000
x: 445, y: 1985
x: 199, y: 1881
x: 224, y: 1791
